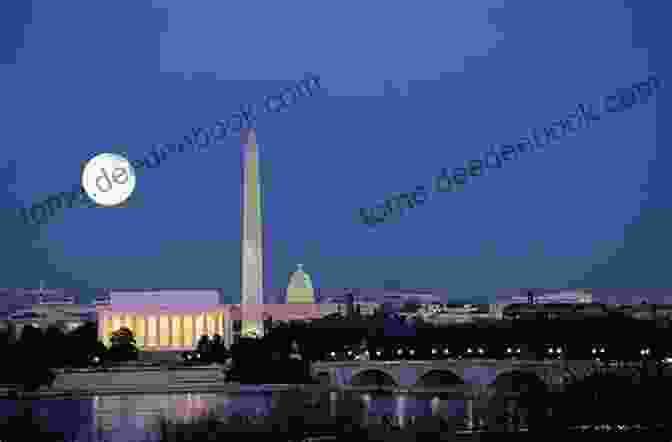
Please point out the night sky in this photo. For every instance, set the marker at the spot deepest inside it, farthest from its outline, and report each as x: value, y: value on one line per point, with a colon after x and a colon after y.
x: 408, y: 88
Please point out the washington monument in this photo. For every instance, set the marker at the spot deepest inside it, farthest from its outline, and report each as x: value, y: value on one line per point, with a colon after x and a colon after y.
x: 252, y: 256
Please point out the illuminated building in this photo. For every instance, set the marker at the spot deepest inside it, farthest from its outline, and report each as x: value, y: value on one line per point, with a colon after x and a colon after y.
x: 251, y: 236
x: 167, y: 319
x: 43, y: 308
x: 552, y: 297
x: 300, y: 288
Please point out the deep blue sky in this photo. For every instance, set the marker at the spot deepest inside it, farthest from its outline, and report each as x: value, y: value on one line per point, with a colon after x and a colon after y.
x: 410, y: 87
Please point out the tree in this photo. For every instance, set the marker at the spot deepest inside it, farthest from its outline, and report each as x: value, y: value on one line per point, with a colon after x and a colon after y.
x: 54, y: 343
x: 83, y: 344
x: 123, y: 346
x: 31, y: 368
x: 203, y: 346
x: 217, y: 350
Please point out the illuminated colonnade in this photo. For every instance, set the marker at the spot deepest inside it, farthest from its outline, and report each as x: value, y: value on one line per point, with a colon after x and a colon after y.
x: 166, y: 330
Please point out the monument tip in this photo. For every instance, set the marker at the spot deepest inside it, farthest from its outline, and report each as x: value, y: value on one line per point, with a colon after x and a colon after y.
x: 248, y: 136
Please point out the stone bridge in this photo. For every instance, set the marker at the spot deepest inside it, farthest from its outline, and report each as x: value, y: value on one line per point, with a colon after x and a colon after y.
x: 476, y: 374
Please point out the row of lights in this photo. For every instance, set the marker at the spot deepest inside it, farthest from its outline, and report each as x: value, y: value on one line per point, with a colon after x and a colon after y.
x: 435, y: 351
x: 479, y: 350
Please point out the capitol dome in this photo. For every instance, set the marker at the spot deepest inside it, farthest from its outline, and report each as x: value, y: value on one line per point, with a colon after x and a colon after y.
x: 300, y: 288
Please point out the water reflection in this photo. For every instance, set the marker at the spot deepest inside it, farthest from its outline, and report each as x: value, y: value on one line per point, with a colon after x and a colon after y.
x: 401, y: 408
x: 127, y: 418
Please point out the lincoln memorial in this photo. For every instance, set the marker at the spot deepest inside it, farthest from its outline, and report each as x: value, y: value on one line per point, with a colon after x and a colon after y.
x: 163, y: 319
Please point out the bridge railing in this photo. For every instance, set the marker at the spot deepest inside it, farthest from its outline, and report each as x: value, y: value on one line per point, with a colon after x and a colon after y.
x: 451, y: 361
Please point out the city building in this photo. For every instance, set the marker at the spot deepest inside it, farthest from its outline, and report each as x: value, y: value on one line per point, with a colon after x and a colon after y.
x: 446, y: 314
x: 66, y: 317
x: 545, y: 311
x: 544, y: 296
x: 528, y: 297
x: 300, y: 288
x: 646, y: 311
x: 369, y: 300
x: 42, y: 308
x: 167, y: 319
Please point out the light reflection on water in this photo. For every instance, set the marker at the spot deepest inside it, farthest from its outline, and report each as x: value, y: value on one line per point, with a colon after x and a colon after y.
x: 127, y: 418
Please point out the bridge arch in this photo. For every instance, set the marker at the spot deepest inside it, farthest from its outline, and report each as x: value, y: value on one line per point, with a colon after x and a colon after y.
x: 518, y: 381
x: 439, y: 378
x: 373, y: 376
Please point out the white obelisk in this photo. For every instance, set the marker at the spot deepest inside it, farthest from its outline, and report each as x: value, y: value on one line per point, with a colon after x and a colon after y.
x: 251, y: 239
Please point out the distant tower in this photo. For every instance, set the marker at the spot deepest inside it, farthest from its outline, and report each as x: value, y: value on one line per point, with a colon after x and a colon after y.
x: 300, y: 288
x: 251, y: 240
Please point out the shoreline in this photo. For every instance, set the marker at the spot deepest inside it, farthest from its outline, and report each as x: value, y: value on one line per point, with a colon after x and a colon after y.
x: 236, y: 388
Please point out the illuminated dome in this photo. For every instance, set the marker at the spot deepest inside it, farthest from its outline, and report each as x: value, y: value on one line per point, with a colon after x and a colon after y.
x: 300, y: 288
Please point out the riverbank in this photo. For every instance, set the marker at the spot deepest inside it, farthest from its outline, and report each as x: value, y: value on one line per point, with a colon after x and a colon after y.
x: 11, y: 392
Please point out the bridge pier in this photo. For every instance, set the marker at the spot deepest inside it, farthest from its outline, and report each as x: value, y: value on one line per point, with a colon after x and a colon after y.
x: 469, y: 411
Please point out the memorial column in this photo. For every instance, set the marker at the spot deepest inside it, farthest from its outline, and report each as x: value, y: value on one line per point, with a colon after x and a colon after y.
x: 145, y: 330
x: 171, y: 331
x: 193, y: 330
x: 157, y: 329
x: 184, y: 331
